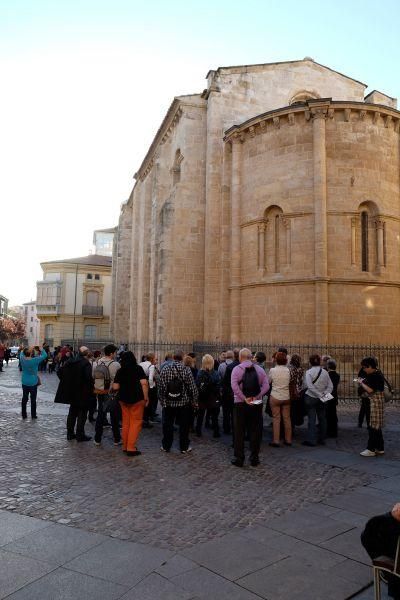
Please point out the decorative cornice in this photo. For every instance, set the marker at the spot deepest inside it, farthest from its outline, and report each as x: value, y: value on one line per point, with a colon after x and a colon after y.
x: 285, y: 281
x: 322, y: 108
x: 169, y: 123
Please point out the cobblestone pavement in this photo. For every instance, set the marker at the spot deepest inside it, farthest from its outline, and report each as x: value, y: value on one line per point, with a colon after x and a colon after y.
x: 167, y: 500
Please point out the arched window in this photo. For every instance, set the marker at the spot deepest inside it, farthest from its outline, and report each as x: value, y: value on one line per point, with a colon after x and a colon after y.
x: 176, y: 167
x: 372, y: 237
x: 303, y: 96
x: 273, y: 241
x: 364, y: 241
x: 90, y: 332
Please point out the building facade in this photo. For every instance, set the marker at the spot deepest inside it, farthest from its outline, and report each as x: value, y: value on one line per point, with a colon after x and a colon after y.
x: 267, y: 208
x: 32, y: 331
x: 74, y: 300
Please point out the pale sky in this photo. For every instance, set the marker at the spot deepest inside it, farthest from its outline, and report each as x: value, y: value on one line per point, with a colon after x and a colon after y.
x: 86, y: 83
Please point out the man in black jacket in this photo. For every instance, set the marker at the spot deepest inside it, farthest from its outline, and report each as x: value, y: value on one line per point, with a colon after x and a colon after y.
x: 227, y: 393
x: 380, y: 537
x: 75, y: 388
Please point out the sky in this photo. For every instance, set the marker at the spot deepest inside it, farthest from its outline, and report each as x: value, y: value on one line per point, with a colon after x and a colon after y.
x: 86, y: 83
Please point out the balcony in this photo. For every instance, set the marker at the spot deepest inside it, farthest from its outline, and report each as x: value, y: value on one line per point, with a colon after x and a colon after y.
x: 92, y: 311
x: 48, y: 309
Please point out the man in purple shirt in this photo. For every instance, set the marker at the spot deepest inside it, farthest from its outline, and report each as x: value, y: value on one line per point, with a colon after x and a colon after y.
x: 249, y: 385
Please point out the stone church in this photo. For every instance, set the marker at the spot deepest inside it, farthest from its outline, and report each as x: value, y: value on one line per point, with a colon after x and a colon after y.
x: 266, y: 208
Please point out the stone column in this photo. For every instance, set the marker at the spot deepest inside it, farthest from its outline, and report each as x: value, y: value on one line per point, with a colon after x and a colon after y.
x: 354, y: 225
x: 236, y: 238
x: 212, y: 237
x: 261, y: 247
x: 380, y: 252
x: 133, y: 313
x: 226, y: 242
x: 319, y: 113
x: 153, y: 255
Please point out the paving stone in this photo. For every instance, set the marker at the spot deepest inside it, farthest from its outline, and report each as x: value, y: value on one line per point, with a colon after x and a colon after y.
x: 345, y: 516
x: 62, y: 584
x: 348, y: 544
x: 353, y: 571
x: 363, y: 501
x: 55, y: 544
x: 155, y: 587
x: 175, y: 565
x: 308, y: 527
x: 17, y: 571
x: 13, y: 526
x: 119, y: 561
x: 391, y: 484
x: 306, y: 581
x: 207, y: 586
x: 232, y: 556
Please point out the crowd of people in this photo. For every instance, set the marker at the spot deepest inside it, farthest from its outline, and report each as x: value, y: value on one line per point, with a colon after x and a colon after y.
x: 112, y: 389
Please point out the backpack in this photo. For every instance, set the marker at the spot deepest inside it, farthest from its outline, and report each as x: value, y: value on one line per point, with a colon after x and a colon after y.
x: 102, y: 377
x: 204, y: 384
x: 250, y: 384
x: 175, y: 388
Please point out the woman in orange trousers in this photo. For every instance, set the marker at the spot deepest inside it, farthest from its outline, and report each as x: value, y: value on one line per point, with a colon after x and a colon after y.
x: 133, y: 393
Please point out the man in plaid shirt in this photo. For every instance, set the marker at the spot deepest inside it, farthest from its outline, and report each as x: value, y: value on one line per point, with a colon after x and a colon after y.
x: 177, y: 393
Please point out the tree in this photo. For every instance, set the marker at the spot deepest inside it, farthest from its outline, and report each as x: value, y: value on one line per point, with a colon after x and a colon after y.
x: 12, y: 329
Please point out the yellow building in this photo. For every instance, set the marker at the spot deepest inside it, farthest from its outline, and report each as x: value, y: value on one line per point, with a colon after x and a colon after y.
x: 74, y: 300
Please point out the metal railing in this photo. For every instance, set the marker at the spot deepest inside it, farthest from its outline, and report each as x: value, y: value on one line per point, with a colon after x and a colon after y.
x: 92, y: 311
x: 347, y: 357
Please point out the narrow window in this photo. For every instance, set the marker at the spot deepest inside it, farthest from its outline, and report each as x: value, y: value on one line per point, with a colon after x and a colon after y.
x: 276, y: 242
x: 89, y: 276
x: 364, y: 241
x: 97, y: 277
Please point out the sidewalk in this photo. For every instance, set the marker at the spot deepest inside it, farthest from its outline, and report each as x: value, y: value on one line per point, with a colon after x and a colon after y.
x: 79, y: 521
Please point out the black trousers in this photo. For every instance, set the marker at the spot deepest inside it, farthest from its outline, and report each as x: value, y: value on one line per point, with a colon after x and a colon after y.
x: 249, y: 419
x: 331, y: 418
x: 379, y: 538
x: 214, y: 412
x: 365, y: 411
x: 227, y: 413
x: 151, y: 409
x: 114, y: 409
x: 182, y: 415
x: 76, y: 416
x: 375, y: 439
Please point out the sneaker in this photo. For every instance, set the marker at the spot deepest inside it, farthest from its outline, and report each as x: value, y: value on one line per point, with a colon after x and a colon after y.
x: 236, y: 462
x: 189, y: 449
x: 379, y: 452
x: 71, y: 436
x: 254, y: 462
x: 97, y: 443
x: 367, y: 453
x: 133, y: 453
x: 119, y: 443
x: 164, y: 449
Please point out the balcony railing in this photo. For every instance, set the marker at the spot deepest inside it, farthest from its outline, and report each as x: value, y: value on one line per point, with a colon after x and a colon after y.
x: 92, y: 311
x: 48, y: 309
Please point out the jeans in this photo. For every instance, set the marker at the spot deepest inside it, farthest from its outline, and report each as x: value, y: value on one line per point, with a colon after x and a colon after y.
x: 26, y: 390
x: 115, y: 414
x: 247, y: 418
x: 76, y: 415
x: 214, y: 412
x: 315, y: 408
x: 182, y: 414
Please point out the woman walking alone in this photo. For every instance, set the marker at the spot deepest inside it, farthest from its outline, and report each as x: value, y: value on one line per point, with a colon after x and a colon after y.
x: 373, y: 384
x: 133, y: 393
x: 30, y: 380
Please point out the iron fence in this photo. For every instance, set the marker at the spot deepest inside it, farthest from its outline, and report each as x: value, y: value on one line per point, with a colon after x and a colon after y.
x: 347, y: 357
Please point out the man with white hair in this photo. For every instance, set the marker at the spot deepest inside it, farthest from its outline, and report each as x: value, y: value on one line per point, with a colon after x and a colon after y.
x: 75, y: 388
x: 249, y: 385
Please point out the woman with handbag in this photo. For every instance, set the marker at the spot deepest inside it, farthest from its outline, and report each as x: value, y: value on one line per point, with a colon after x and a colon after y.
x: 132, y: 389
x: 373, y: 384
x: 279, y: 377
